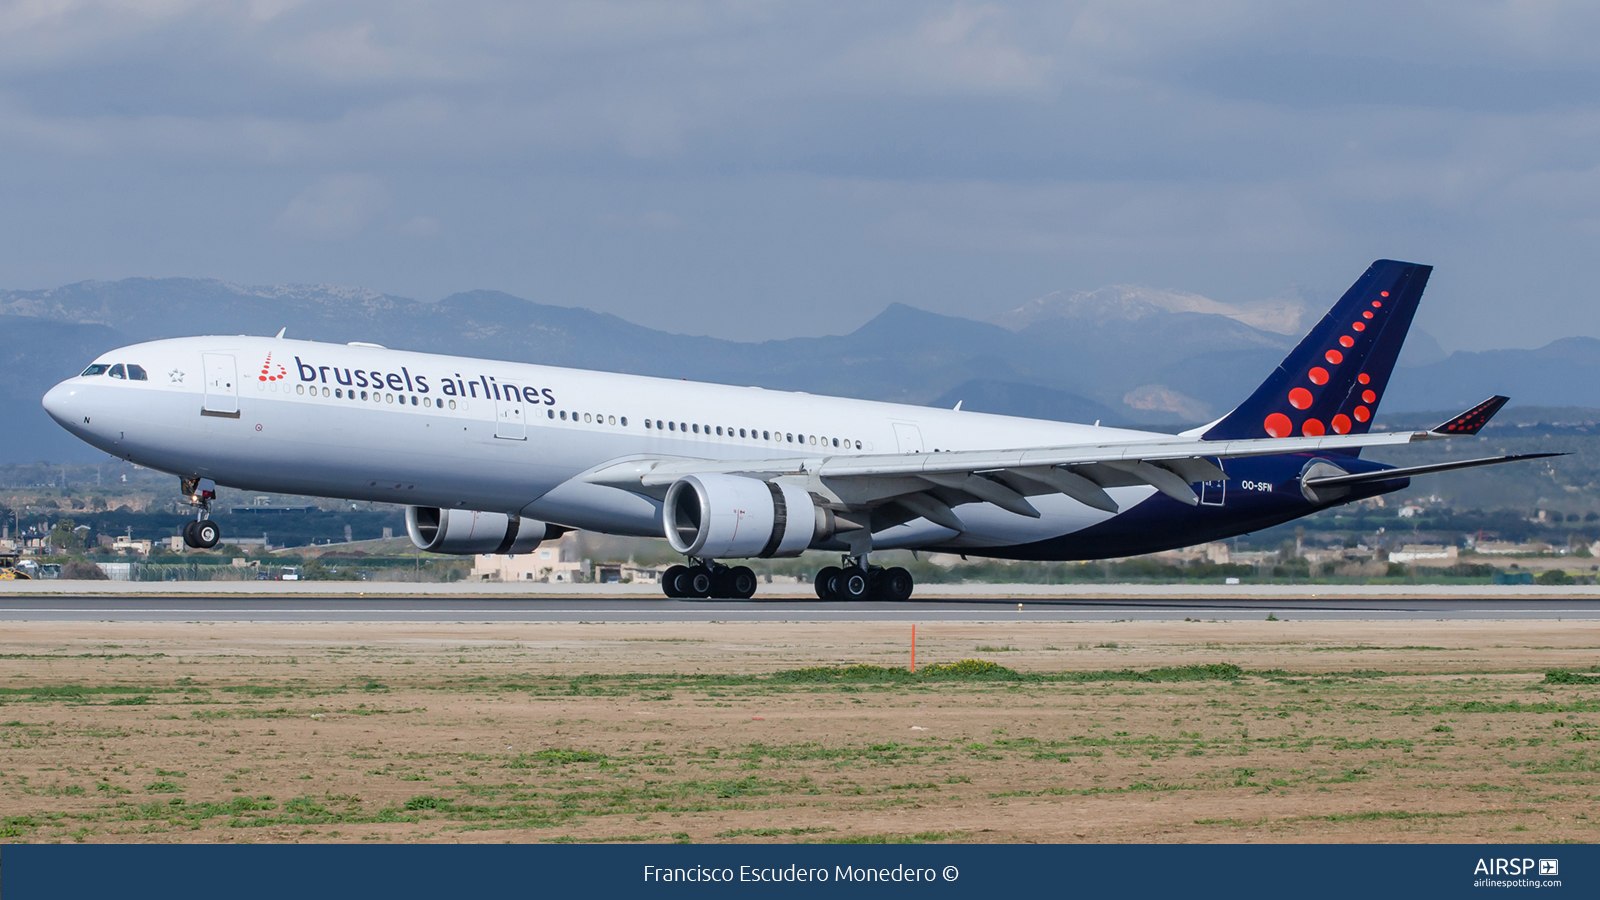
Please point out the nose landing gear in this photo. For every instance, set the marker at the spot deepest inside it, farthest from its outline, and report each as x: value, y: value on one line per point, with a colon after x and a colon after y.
x: 202, y: 533
x: 708, y: 578
x: 858, y: 580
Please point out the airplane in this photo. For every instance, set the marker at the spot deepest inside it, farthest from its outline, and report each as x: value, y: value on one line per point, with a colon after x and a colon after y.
x: 492, y: 456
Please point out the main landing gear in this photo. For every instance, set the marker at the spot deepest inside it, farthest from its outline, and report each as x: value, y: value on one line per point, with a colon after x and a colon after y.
x: 709, y: 578
x: 858, y: 580
x: 202, y: 533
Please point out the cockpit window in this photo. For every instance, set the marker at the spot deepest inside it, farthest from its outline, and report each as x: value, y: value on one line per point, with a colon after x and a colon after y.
x: 96, y: 369
x: 116, y: 371
x: 137, y: 373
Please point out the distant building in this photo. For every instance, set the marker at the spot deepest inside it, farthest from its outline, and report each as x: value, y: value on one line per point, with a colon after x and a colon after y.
x: 126, y: 546
x: 1425, y: 555
x: 559, y: 562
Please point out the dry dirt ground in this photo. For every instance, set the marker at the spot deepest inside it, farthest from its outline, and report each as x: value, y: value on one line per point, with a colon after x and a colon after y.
x: 1128, y: 731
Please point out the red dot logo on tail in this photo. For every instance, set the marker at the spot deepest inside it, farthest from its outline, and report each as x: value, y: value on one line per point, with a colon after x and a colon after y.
x: 1300, y: 398
x: 1278, y: 425
x: 1312, y: 428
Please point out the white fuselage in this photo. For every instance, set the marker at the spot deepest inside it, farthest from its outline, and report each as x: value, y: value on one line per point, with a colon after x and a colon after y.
x: 368, y: 423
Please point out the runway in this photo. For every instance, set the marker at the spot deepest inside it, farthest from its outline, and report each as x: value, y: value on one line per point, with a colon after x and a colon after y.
x: 445, y: 609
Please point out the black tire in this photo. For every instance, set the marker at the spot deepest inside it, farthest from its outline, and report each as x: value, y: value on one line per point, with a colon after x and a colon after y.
x: 669, y: 581
x: 854, y: 584
x: 826, y: 581
x: 722, y: 583
x: 896, y: 585
x: 207, y: 534
x: 743, y: 582
x: 189, y: 540
x: 697, y: 583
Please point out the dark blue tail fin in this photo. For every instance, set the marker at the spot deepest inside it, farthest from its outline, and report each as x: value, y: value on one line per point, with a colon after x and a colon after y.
x: 1333, y: 381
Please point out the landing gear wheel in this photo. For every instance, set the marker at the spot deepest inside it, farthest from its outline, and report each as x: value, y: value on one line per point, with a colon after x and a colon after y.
x: 741, y: 583
x: 722, y: 583
x: 896, y: 585
x: 854, y: 584
x: 189, y: 539
x: 827, y: 579
x: 669, y: 581
x: 206, y: 534
x: 697, y: 583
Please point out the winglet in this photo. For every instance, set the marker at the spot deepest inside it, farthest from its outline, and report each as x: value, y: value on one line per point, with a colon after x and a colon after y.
x: 1473, y: 420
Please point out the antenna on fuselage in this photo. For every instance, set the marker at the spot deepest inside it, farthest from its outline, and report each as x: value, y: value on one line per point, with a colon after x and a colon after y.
x: 279, y: 335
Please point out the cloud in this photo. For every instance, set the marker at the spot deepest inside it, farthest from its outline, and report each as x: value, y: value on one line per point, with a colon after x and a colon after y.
x: 336, y: 208
x: 421, y: 226
x: 951, y: 155
x: 650, y: 220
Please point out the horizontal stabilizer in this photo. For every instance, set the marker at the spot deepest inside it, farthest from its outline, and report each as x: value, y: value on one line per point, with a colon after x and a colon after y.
x: 1473, y: 420
x: 1392, y: 474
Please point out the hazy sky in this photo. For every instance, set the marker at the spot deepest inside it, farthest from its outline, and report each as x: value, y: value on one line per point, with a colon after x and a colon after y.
x: 760, y: 169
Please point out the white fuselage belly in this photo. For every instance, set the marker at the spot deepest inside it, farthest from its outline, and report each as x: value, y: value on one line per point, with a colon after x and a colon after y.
x: 515, y: 456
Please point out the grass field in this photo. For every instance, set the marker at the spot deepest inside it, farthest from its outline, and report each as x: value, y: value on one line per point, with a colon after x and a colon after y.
x: 1255, y: 731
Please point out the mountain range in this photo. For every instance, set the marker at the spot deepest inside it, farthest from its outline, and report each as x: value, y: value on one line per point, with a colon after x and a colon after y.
x: 1120, y: 355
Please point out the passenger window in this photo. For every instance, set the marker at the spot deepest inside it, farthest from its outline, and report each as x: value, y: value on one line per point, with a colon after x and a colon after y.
x: 96, y: 369
x: 836, y: 442
x: 766, y: 436
x: 611, y: 420
x: 647, y: 424
x: 549, y: 414
x: 117, y: 372
x: 858, y: 445
x: 452, y: 404
x: 672, y: 426
x: 563, y: 415
x: 588, y: 418
x: 137, y: 373
x: 790, y: 437
x: 624, y: 421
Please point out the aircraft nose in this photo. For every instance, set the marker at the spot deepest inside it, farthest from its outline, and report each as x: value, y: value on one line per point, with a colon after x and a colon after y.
x: 63, y: 404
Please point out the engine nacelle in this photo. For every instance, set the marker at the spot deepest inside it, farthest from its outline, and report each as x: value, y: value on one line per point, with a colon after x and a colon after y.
x: 465, y: 532
x: 730, y: 516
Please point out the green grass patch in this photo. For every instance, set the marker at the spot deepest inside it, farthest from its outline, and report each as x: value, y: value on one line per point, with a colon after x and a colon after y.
x: 1562, y: 676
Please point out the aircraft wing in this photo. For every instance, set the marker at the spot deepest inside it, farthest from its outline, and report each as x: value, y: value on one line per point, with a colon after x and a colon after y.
x: 930, y: 484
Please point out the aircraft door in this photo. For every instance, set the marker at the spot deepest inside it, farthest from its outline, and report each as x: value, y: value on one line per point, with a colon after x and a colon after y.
x: 909, y: 437
x: 510, y: 422
x: 222, y: 386
x: 1213, y: 492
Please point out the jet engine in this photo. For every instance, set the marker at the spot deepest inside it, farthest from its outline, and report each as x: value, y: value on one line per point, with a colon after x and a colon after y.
x: 730, y: 516
x: 465, y: 532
